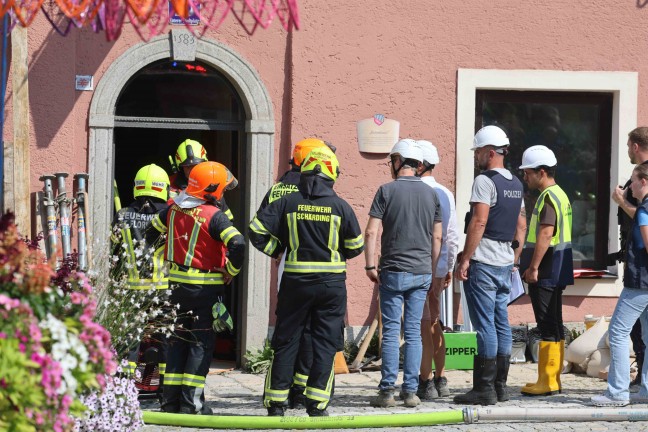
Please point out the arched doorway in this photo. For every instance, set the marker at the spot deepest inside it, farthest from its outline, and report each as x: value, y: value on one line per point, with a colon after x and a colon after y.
x: 249, y: 142
x: 164, y: 104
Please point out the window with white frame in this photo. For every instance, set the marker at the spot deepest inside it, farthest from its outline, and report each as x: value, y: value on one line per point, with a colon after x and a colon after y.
x: 617, y: 93
x: 577, y: 127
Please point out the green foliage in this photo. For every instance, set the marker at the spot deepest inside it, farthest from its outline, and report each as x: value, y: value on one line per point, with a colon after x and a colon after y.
x: 259, y: 362
x: 574, y: 333
x: 20, y: 378
x: 351, y: 350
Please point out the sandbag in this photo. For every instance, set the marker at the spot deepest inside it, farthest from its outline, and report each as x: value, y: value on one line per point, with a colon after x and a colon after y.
x: 599, y: 361
x: 583, y: 346
x: 607, y: 344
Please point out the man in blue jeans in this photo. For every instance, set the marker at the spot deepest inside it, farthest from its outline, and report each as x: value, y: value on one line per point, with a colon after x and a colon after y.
x: 410, y: 215
x: 495, y: 230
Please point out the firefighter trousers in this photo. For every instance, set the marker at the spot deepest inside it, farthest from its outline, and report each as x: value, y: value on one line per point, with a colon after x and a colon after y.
x: 324, y: 304
x: 190, y: 349
x: 303, y: 361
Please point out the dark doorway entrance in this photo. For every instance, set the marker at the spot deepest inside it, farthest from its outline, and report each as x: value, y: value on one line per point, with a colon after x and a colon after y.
x: 166, y: 103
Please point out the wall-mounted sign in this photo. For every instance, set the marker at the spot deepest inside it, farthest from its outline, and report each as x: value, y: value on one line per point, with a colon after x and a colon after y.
x: 175, y: 19
x: 377, y: 134
x: 83, y: 82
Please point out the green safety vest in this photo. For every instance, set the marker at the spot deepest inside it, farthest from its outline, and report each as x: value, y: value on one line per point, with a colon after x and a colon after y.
x: 556, y: 267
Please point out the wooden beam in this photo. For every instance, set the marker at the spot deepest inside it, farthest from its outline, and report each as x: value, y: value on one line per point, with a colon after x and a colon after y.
x: 20, y: 99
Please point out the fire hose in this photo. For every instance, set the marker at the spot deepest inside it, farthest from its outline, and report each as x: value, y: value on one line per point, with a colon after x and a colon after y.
x: 466, y: 415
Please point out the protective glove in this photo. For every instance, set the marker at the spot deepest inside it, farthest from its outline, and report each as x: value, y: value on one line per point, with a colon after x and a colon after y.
x: 222, y: 319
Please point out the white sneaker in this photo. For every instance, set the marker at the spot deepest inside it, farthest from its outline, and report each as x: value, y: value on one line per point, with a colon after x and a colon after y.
x: 605, y: 401
x: 636, y: 398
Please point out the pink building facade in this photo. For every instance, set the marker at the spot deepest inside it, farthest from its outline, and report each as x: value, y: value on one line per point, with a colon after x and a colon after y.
x: 428, y: 65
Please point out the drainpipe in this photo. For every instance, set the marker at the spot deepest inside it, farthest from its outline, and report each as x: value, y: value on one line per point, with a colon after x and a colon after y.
x: 3, y: 92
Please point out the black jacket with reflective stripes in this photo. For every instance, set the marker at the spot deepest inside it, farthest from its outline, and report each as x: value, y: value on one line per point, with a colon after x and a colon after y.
x: 318, y: 230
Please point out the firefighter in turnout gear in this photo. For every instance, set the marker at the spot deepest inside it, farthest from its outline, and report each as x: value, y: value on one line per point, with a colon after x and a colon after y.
x: 288, y: 184
x: 189, y: 154
x: 142, y: 246
x: 205, y: 251
x: 319, y: 232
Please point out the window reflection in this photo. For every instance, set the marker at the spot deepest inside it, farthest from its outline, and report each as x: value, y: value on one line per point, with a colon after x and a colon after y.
x: 577, y: 127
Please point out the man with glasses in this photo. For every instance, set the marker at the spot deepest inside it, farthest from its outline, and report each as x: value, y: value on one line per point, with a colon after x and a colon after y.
x: 410, y: 215
x: 495, y: 228
x: 546, y: 264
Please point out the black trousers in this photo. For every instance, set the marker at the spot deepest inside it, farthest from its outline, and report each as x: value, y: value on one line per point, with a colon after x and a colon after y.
x: 547, y: 308
x: 637, y: 343
x: 304, y: 359
x: 324, y: 304
x: 191, y: 348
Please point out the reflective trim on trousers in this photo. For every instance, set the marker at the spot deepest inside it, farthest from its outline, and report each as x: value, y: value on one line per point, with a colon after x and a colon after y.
x: 300, y: 380
x: 172, y: 379
x: 322, y: 396
x: 193, y: 380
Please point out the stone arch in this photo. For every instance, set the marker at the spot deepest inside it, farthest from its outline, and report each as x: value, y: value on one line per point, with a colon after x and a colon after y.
x: 259, y: 139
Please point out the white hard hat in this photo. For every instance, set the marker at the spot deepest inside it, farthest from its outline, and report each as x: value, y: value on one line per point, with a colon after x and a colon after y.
x: 408, y: 149
x: 537, y: 156
x: 490, y: 135
x: 430, y: 153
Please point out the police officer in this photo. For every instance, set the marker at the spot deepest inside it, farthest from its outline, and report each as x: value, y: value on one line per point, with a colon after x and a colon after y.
x: 319, y: 232
x: 638, y: 153
x: 495, y: 230
x: 287, y: 184
x: 141, y: 245
x: 205, y: 251
x: 546, y: 264
x: 189, y: 154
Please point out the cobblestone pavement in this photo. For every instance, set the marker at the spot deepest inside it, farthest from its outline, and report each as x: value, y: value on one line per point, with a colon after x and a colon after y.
x: 237, y: 393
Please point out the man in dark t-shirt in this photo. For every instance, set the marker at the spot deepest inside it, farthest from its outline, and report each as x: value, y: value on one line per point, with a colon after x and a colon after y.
x: 410, y: 215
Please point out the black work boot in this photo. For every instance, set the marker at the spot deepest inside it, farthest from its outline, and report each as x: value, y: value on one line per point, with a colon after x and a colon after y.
x: 276, y: 409
x: 313, y: 411
x: 426, y: 390
x: 503, y: 364
x: 296, y: 398
x: 483, y: 391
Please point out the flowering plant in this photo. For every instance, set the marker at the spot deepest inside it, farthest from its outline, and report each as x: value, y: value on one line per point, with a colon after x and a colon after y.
x: 115, y: 407
x: 131, y: 315
x: 51, y: 350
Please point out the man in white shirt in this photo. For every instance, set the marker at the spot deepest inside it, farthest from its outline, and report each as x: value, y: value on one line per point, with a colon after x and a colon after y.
x: 431, y: 331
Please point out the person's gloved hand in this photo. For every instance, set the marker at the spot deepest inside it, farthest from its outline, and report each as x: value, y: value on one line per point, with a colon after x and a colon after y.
x: 222, y: 319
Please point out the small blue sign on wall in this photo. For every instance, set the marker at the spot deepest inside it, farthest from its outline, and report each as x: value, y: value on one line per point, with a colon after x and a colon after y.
x: 175, y: 19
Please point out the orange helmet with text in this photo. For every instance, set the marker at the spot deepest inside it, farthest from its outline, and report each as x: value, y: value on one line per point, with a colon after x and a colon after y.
x: 303, y: 147
x: 209, y: 180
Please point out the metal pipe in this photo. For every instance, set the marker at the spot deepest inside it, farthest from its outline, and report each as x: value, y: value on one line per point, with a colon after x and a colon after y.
x: 50, y: 206
x: 80, y: 194
x: 556, y: 414
x: 334, y: 422
x: 64, y: 213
